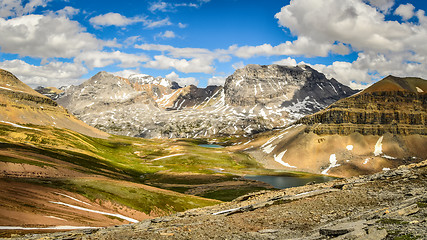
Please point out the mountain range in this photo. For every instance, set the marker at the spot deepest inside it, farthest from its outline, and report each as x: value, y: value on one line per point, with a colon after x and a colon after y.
x: 254, y: 99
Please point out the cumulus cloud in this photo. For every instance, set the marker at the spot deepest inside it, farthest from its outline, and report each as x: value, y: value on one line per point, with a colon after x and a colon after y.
x: 383, y: 5
x: 385, y: 47
x: 114, y: 19
x: 301, y: 46
x: 216, y: 81
x: 46, y: 37
x: 52, y: 74
x: 98, y: 59
x: 166, y: 34
x: 182, y: 81
x: 195, y: 65
x: 16, y: 8
x: 126, y: 73
x: 287, y: 62
x: 67, y: 12
x: 406, y: 11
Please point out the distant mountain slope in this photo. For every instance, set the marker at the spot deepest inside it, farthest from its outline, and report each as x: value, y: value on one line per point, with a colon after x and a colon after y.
x: 19, y: 104
x: 383, y: 126
x: 255, y: 98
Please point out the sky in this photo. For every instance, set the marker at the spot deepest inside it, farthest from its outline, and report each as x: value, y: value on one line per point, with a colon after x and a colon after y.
x: 201, y: 42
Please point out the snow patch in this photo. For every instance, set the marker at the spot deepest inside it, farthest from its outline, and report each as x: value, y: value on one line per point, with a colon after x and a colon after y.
x: 333, y: 163
x: 419, y: 90
x: 19, y: 126
x: 366, y: 161
x: 268, y: 149
x: 386, y: 169
x: 279, y: 157
x: 349, y: 147
x: 388, y: 157
x: 378, y: 146
x: 173, y: 155
x: 95, y: 211
x: 75, y: 199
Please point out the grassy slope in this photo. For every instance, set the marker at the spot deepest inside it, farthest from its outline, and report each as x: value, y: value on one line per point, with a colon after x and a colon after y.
x: 130, y: 160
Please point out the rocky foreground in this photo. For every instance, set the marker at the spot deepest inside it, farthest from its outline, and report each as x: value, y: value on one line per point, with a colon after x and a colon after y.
x: 387, y: 205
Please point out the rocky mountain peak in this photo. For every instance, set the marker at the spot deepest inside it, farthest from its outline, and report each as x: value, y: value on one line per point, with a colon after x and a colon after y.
x: 258, y: 84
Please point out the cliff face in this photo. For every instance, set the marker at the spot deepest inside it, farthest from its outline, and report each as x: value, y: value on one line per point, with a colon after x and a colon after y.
x: 398, y: 111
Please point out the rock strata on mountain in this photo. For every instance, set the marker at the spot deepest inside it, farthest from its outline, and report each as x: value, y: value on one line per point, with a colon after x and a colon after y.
x: 19, y: 104
x: 381, y: 127
x: 254, y: 99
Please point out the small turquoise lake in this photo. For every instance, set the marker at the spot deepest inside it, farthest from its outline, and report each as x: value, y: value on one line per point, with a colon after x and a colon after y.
x: 210, y: 146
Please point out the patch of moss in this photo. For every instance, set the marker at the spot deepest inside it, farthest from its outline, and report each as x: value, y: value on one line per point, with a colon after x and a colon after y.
x: 422, y: 204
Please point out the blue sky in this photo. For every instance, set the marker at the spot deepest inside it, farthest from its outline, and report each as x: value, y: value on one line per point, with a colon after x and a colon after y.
x: 63, y: 42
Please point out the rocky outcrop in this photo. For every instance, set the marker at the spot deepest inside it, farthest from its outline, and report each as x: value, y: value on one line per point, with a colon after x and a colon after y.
x: 50, y: 92
x: 254, y: 99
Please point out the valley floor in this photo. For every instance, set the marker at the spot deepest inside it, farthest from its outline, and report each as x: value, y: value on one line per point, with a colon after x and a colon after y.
x: 387, y: 205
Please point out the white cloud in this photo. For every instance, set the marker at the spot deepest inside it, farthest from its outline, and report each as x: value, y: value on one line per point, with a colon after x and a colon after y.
x: 130, y: 41
x: 126, y: 73
x: 166, y: 34
x: 406, y: 11
x: 14, y: 8
x: 238, y: 65
x: 67, y: 12
x: 182, y: 25
x: 182, y: 65
x: 54, y: 74
x: 171, y: 7
x: 159, y: 6
x: 371, y: 66
x: 46, y: 37
x: 221, y: 55
x: 383, y: 5
x: 385, y: 47
x: 157, y: 24
x: 349, y: 22
x: 216, y: 81
x: 301, y: 46
x: 287, y: 62
x: 182, y: 81
x: 114, y: 19
x: 98, y: 59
